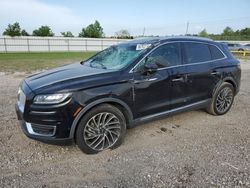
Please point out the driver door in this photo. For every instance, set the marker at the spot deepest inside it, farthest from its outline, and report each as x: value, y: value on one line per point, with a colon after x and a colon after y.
x: 153, y: 86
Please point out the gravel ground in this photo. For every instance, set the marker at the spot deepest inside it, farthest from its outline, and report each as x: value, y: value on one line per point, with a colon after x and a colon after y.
x: 192, y: 149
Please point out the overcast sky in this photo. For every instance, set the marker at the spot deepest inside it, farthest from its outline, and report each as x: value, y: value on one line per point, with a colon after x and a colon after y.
x: 158, y: 17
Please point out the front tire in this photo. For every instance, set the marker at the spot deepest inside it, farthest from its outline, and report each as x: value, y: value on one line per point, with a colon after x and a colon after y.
x: 222, y: 99
x: 103, y: 127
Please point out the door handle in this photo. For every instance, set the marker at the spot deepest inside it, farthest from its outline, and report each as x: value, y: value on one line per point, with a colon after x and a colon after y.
x: 180, y: 79
x: 145, y: 80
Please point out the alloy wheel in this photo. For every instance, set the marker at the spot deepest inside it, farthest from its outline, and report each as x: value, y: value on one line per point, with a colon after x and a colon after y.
x: 102, y: 131
x: 224, y: 100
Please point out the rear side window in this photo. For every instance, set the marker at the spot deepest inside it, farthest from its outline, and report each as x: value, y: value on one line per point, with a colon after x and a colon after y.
x: 215, y: 52
x: 196, y: 52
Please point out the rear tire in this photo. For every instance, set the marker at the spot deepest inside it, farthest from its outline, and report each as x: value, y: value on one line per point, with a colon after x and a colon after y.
x: 222, y: 99
x: 103, y: 127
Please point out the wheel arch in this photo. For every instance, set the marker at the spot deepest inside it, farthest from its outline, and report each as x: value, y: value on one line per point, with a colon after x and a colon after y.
x: 231, y: 81
x: 228, y: 80
x: 113, y: 101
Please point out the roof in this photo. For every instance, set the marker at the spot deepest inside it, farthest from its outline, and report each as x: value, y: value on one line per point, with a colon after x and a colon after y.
x: 172, y: 38
x: 160, y: 40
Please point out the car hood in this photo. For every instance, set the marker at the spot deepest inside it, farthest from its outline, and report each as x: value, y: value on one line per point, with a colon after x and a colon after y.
x: 65, y: 77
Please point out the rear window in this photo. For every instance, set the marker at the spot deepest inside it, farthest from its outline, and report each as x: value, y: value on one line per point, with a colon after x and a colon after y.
x: 215, y: 52
x: 196, y: 52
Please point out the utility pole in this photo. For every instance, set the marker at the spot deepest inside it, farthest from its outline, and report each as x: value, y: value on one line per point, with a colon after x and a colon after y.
x: 187, y: 28
x: 143, y: 33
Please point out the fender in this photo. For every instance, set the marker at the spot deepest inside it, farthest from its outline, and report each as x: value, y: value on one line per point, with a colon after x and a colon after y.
x: 224, y: 80
x: 232, y: 80
x: 91, y: 105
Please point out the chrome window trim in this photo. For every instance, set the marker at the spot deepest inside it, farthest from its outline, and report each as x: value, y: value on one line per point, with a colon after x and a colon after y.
x: 202, y: 62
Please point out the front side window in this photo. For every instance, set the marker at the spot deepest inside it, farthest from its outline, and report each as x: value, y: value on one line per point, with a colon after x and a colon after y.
x: 164, y: 56
x: 196, y: 52
x: 117, y: 57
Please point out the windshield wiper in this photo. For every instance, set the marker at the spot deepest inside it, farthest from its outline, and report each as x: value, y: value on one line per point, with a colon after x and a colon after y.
x: 98, y: 63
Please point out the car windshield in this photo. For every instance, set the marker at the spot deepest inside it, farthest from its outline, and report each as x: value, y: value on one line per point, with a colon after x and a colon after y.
x: 117, y: 57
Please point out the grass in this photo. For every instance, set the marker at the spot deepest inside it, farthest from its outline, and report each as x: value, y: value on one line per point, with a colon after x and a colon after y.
x: 37, y: 61
x: 27, y: 62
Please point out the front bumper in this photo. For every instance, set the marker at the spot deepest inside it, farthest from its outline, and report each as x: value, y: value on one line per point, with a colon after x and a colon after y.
x: 45, y: 139
x: 46, y: 127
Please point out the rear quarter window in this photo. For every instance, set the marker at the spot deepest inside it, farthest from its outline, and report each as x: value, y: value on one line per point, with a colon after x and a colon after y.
x: 215, y: 52
x: 196, y: 52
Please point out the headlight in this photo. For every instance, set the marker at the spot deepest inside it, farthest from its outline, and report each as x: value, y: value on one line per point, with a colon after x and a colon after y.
x: 51, y: 98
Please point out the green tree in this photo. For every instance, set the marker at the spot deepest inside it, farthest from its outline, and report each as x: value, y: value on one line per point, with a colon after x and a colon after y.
x: 123, y: 34
x: 228, y: 31
x: 203, y: 33
x: 67, y: 34
x: 43, y: 31
x: 24, y: 33
x: 237, y: 32
x: 92, y: 31
x: 245, y: 31
x: 13, y: 30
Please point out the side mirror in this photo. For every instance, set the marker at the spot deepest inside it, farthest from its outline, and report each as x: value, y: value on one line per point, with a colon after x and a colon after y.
x: 150, y: 68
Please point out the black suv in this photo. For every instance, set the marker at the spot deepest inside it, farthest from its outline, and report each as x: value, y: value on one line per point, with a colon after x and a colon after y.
x: 93, y: 102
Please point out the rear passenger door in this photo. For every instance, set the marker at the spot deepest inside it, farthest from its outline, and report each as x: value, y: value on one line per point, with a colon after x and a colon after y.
x: 200, y: 79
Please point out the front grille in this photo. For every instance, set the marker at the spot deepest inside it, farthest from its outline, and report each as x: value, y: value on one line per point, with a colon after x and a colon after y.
x: 41, y: 130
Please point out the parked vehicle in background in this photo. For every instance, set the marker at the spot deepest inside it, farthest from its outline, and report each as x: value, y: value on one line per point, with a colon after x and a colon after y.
x: 248, y: 46
x: 237, y: 47
x: 95, y: 101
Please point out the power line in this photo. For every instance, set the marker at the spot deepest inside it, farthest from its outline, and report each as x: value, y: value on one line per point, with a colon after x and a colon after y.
x: 222, y: 20
x: 190, y: 23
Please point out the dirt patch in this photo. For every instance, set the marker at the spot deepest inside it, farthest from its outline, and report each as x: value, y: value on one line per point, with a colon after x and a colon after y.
x: 192, y: 149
